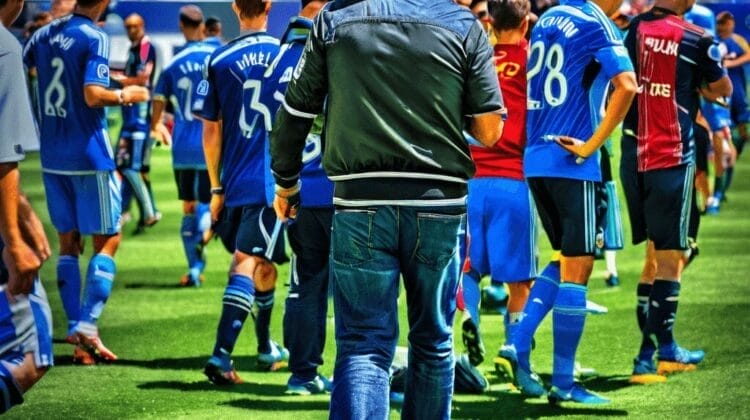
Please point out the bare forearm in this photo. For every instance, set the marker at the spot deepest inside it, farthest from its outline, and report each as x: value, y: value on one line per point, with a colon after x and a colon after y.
x: 158, y: 111
x: 622, y: 96
x: 212, y: 143
x: 9, y: 230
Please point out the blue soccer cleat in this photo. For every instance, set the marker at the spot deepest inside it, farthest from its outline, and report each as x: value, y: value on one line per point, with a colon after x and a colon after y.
x: 612, y: 280
x: 577, y: 394
x: 273, y: 361
x: 644, y: 373
x: 527, y: 382
x: 318, y: 385
x: 675, y: 359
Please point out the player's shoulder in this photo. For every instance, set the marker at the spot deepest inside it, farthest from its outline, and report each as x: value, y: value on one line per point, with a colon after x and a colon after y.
x: 241, y: 45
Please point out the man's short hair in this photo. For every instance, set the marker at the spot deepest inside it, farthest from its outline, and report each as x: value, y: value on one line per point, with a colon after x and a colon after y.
x: 251, y: 8
x: 191, y: 15
x: 212, y: 23
x: 88, y: 3
x: 724, y: 17
x: 508, y: 14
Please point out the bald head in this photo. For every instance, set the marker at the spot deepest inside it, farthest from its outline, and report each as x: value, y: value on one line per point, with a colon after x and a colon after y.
x: 135, y: 27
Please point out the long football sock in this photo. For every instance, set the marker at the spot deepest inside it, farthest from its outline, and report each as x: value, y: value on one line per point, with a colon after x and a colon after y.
x: 541, y: 298
x: 69, y: 285
x: 569, y: 318
x: 611, y: 259
x: 663, y: 310
x: 10, y: 393
x: 264, y: 301
x: 140, y: 192
x: 718, y: 187
x: 511, y: 321
x: 202, y: 225
x: 648, y: 347
x: 237, y: 303
x: 189, y: 239
x: 728, y: 173
x: 472, y: 295
x: 99, y: 278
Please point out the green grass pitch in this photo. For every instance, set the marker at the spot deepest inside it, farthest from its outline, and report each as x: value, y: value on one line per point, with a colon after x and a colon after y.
x: 164, y: 334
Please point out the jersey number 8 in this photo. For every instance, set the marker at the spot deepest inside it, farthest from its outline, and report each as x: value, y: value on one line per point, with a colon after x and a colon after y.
x: 555, y: 83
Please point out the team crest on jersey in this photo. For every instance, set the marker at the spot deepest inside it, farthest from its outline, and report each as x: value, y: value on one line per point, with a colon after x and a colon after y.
x: 202, y: 88
x: 102, y: 71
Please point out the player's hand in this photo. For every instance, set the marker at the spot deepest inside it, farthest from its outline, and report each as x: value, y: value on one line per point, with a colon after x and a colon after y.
x: 161, y: 134
x: 286, y: 203
x: 217, y: 204
x: 32, y: 229
x: 574, y: 146
x: 134, y: 94
x: 23, y: 266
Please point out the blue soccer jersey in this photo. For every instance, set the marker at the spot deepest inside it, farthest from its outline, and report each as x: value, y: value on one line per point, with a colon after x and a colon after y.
x: 236, y: 92
x: 69, y: 54
x: 317, y: 189
x: 571, y: 45
x: 177, y: 85
x: 703, y: 17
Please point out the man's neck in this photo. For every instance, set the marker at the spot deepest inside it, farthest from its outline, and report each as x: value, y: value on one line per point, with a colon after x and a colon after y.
x: 92, y: 13
x: 254, y: 24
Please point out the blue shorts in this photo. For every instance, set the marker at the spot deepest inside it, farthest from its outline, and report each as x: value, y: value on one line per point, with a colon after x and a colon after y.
x: 502, y: 233
x: 569, y: 213
x: 250, y: 230
x: 89, y: 204
x: 26, y: 327
x: 667, y: 199
x: 716, y: 115
x: 632, y: 182
x: 193, y: 185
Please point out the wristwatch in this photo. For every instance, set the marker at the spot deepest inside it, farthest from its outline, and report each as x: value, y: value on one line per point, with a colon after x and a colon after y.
x: 217, y: 191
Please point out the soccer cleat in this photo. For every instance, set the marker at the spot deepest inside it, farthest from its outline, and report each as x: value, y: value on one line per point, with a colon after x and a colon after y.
x: 577, y: 394
x: 677, y: 359
x: 472, y: 342
x: 318, y: 385
x: 273, y: 361
x: 529, y: 383
x: 93, y: 344
x: 712, y: 206
x: 503, y: 368
x: 218, y: 376
x: 612, y: 280
x: 595, y: 309
x: 82, y: 356
x: 644, y: 373
x: 495, y: 298
x: 187, y: 281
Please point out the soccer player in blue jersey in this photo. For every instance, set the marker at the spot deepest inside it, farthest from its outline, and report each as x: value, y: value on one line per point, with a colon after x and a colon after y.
x: 309, y: 236
x: 571, y: 46
x: 25, y: 321
x: 70, y: 57
x: 236, y: 103
x: 134, y: 149
x: 177, y: 84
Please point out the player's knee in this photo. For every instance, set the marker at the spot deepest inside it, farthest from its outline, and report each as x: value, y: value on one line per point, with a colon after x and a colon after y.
x: 188, y: 207
x: 107, y: 244
x: 265, y: 276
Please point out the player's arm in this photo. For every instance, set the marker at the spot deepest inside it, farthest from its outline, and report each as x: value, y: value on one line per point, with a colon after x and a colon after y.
x: 158, y: 130
x: 97, y: 96
x: 143, y: 77
x: 717, y: 84
x: 212, y: 146
x: 487, y: 128
x: 742, y: 59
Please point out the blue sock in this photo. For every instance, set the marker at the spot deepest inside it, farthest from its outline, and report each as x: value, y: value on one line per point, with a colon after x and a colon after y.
x: 472, y: 294
x: 663, y: 310
x: 648, y: 348
x: 10, y: 392
x: 541, y: 299
x: 568, y: 319
x: 264, y: 300
x: 190, y: 239
x: 99, y: 278
x: 237, y: 303
x: 203, y: 224
x: 728, y: 172
x: 718, y: 187
x: 69, y: 285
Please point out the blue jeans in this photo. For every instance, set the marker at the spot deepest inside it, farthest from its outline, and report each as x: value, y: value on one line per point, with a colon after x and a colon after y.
x: 371, y: 248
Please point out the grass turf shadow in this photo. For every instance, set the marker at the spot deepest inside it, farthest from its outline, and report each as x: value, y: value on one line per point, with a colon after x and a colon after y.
x: 261, y: 389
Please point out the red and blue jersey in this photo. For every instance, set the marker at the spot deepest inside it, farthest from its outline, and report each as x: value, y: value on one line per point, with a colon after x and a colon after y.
x: 237, y: 92
x: 69, y: 54
x: 177, y: 85
x: 672, y: 59
x: 505, y: 158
